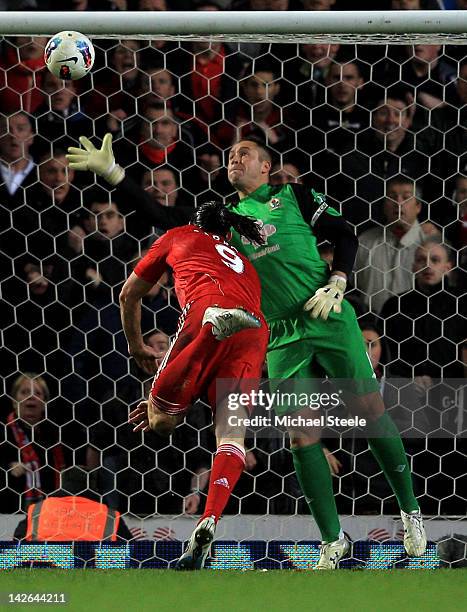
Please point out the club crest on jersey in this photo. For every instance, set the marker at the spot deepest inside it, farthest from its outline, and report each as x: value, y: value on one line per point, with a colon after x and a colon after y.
x: 266, y: 230
x: 275, y: 203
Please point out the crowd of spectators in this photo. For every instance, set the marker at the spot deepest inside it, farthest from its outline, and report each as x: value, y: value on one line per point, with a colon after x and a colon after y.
x: 380, y: 129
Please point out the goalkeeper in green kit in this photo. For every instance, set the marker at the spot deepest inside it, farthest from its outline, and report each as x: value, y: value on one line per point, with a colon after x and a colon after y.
x: 313, y: 329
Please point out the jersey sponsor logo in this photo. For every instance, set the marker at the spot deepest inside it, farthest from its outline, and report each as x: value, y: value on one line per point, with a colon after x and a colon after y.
x: 266, y: 251
x: 266, y: 230
x: 275, y: 203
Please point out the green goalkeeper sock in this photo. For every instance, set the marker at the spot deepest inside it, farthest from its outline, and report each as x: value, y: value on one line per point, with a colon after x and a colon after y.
x: 386, y: 445
x: 314, y: 477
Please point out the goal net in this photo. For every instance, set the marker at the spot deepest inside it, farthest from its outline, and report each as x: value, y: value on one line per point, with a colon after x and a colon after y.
x: 368, y: 109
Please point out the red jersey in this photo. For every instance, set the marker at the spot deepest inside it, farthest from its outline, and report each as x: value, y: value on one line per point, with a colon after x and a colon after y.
x: 202, y: 264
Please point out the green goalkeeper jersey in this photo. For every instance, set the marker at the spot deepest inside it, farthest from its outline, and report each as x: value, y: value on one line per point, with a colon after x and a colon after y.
x: 288, y: 264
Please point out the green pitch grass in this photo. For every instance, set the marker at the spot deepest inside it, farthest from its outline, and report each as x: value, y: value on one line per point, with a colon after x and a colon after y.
x: 253, y: 591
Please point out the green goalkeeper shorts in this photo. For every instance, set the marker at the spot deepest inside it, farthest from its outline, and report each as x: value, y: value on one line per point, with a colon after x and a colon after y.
x: 304, y: 348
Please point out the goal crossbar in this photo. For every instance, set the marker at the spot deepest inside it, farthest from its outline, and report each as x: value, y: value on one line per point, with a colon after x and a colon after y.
x: 375, y: 27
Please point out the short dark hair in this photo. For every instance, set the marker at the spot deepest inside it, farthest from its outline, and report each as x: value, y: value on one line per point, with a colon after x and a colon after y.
x: 216, y: 218
x: 267, y: 154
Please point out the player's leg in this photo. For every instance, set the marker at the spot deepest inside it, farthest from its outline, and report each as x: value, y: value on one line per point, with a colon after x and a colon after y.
x: 182, y: 372
x: 238, y: 370
x: 293, y: 360
x: 342, y: 355
x: 186, y: 368
x: 315, y: 479
x: 229, y: 460
x: 227, y: 467
x: 386, y: 445
x: 161, y: 422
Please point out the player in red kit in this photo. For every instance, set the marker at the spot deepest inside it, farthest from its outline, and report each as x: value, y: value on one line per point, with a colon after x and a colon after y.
x: 221, y: 335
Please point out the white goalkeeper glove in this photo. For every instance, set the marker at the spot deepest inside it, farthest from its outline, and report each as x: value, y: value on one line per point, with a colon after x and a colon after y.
x: 327, y: 298
x: 101, y: 161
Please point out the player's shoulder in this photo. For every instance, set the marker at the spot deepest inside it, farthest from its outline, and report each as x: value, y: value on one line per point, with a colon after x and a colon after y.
x: 170, y: 236
x: 178, y: 231
x: 302, y: 191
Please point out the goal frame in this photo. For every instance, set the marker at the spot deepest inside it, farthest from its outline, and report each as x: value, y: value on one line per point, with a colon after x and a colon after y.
x: 372, y: 27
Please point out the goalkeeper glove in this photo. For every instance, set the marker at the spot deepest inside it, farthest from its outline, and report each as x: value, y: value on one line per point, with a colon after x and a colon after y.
x: 327, y: 298
x: 101, y: 161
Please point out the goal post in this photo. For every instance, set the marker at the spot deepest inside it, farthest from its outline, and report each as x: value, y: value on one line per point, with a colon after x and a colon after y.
x: 376, y: 27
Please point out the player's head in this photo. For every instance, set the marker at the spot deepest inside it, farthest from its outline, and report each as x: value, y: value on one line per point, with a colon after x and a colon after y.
x: 215, y: 218
x: 249, y: 165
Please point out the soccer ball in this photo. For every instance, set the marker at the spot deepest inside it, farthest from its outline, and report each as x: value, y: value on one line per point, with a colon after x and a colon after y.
x: 69, y: 55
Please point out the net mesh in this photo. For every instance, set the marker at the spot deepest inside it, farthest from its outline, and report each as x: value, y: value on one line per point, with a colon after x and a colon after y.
x: 369, y: 126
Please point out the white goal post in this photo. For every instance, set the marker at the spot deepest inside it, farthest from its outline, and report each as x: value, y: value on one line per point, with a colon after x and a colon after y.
x: 375, y: 27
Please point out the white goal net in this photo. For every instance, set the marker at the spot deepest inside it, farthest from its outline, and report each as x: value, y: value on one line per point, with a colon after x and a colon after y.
x: 379, y: 127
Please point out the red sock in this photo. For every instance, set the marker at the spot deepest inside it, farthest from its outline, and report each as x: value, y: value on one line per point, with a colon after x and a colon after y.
x: 227, y: 467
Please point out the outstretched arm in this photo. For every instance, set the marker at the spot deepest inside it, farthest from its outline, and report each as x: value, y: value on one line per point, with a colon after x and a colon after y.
x: 131, y: 295
x: 102, y: 162
x: 138, y: 200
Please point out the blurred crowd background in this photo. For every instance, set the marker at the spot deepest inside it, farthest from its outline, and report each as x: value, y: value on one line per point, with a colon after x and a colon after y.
x: 380, y: 129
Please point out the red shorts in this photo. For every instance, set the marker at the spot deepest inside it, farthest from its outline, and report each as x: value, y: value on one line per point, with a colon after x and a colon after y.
x: 196, y: 361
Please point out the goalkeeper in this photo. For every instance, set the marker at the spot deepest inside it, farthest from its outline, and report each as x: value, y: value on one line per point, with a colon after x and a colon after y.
x: 314, y: 331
